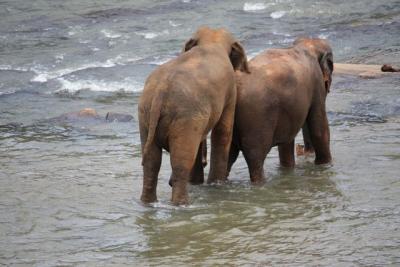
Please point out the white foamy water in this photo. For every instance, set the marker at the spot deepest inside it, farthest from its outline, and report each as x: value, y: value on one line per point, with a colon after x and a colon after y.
x: 174, y: 24
x: 46, y: 75
x: 287, y: 41
x: 278, y: 14
x: 110, y: 34
x: 7, y: 92
x: 152, y: 35
x: 11, y: 68
x: 254, y: 6
x: 324, y: 35
x: 126, y: 85
x: 159, y: 60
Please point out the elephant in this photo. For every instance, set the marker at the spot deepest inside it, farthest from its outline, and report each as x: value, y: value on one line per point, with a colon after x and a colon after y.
x: 285, y: 91
x: 182, y: 101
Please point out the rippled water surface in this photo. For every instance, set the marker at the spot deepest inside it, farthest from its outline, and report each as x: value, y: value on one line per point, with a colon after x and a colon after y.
x: 69, y: 189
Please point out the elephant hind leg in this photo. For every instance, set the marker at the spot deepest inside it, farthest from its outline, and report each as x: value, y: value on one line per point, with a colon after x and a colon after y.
x: 151, y: 168
x: 286, y: 154
x: 197, y: 173
x: 255, y: 157
x: 317, y: 122
x: 184, y: 147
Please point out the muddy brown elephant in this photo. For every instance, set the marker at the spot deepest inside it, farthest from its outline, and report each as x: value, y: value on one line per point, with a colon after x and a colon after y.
x: 285, y: 90
x: 182, y: 101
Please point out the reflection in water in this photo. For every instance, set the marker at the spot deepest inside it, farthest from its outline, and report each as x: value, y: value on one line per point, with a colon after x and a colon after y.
x: 242, y: 223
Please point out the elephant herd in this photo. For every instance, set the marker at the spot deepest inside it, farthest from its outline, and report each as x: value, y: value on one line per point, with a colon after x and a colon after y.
x: 248, y: 106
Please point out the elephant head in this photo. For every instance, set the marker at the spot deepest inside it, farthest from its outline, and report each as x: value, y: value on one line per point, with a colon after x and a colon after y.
x: 323, y: 53
x: 206, y: 36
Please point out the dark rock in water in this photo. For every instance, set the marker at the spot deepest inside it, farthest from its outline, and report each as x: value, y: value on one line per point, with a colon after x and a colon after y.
x: 89, y: 115
x: 389, y: 68
x: 120, y: 117
x: 114, y: 12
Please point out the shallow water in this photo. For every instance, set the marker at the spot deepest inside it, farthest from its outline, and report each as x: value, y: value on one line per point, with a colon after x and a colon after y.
x: 69, y: 191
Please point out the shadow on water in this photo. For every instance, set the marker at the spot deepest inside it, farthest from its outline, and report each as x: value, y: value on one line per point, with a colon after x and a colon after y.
x: 242, y: 223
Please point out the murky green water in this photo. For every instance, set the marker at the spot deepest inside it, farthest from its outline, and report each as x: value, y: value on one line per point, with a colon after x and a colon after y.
x: 69, y: 191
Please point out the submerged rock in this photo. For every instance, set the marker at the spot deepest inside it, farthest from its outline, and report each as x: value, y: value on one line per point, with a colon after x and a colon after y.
x: 119, y: 117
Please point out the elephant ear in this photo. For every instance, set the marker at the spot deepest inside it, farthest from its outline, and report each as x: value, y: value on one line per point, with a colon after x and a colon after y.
x: 238, y: 58
x: 189, y: 45
x: 326, y: 64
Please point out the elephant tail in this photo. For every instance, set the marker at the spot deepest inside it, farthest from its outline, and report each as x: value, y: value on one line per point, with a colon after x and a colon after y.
x: 155, y: 112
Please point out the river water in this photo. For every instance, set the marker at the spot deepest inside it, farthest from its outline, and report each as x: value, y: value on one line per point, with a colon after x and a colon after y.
x: 69, y: 190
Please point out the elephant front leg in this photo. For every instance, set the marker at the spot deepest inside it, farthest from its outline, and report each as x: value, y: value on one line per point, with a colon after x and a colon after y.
x: 286, y: 154
x: 221, y: 138
x: 151, y: 168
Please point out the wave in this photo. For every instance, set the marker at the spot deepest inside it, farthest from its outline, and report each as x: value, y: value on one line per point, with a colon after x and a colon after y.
x: 278, y: 14
x: 10, y: 92
x: 44, y: 76
x: 110, y: 34
x: 251, y: 7
x: 174, y: 24
x: 126, y: 85
x: 324, y: 35
x: 152, y: 35
x: 159, y: 60
x: 11, y: 68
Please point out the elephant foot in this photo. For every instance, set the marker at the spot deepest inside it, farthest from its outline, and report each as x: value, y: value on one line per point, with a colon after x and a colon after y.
x: 215, y: 177
x: 148, y: 198
x: 322, y: 161
x: 197, y: 181
x: 258, y: 181
x: 217, y: 181
x: 287, y: 163
x: 180, y: 200
x: 180, y: 195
